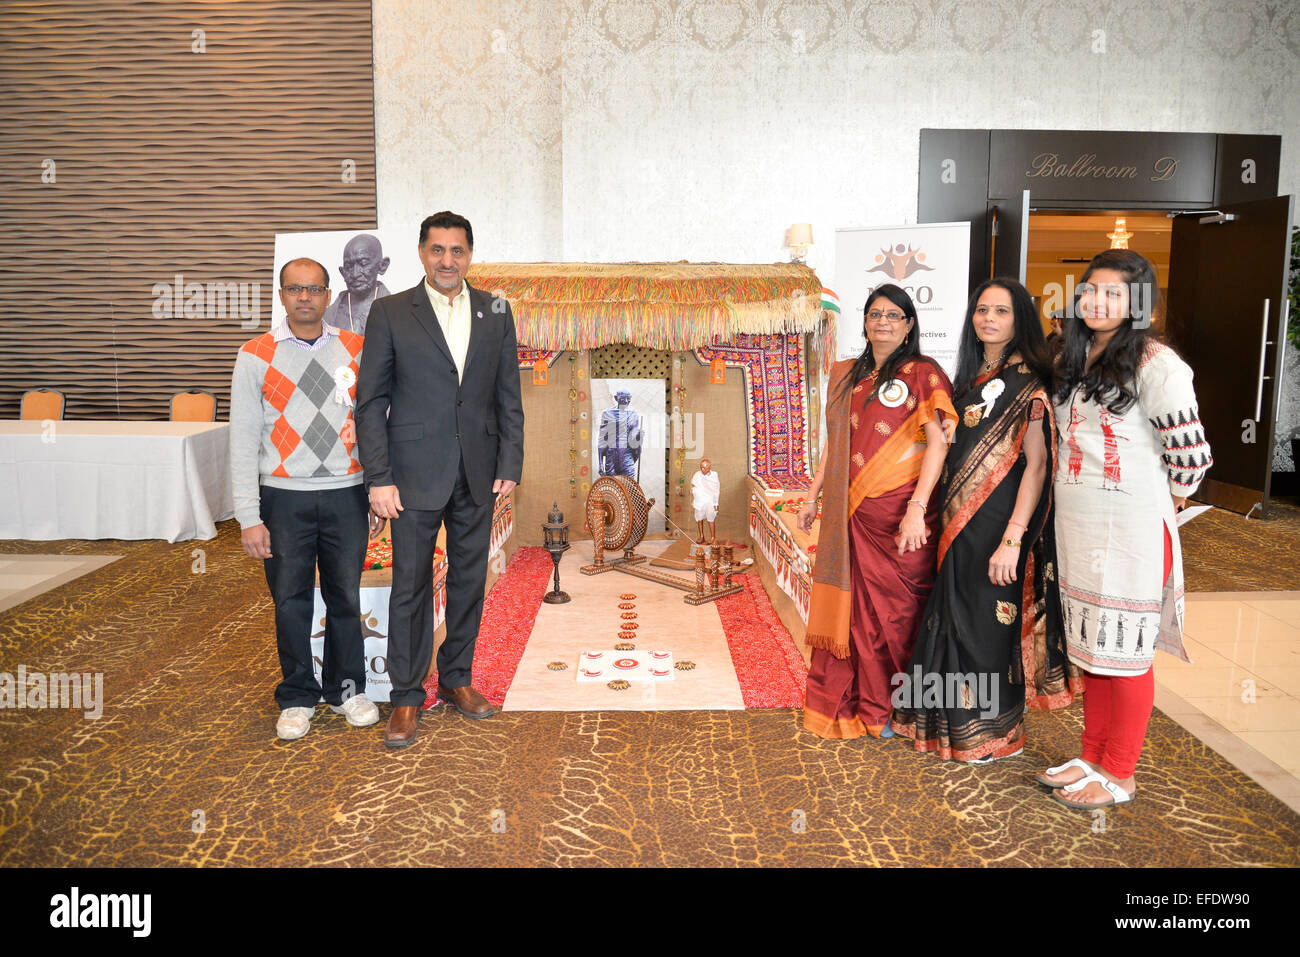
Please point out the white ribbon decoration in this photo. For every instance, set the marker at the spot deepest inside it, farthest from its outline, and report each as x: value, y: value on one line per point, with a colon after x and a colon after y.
x: 344, y: 379
x: 992, y: 390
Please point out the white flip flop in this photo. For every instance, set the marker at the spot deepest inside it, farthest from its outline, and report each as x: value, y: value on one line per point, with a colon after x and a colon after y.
x: 1060, y: 769
x: 1117, y: 794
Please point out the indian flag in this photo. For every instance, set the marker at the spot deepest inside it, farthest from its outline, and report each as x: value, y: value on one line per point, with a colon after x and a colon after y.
x: 830, y: 301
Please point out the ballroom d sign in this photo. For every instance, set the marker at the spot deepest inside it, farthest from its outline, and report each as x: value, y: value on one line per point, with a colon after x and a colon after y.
x: 1078, y: 166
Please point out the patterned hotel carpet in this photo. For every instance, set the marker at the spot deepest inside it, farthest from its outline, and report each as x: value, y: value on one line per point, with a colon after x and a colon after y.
x: 188, y: 727
x: 1223, y: 551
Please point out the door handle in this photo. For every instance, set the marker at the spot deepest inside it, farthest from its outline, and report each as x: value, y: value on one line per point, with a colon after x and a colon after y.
x: 1264, y: 343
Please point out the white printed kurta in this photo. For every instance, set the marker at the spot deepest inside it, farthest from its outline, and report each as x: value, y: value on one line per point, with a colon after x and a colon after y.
x: 1115, y: 482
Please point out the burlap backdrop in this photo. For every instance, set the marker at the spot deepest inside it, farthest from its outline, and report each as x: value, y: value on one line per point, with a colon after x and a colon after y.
x: 720, y: 433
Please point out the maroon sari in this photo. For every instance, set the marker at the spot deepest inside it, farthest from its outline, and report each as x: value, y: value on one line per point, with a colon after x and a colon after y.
x: 849, y: 681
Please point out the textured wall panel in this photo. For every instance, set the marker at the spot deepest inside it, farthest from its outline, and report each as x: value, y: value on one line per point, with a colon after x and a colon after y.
x: 662, y: 130
x: 622, y: 360
x: 166, y: 161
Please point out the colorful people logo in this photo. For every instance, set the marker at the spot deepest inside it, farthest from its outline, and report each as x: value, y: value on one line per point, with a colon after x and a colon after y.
x: 900, y: 261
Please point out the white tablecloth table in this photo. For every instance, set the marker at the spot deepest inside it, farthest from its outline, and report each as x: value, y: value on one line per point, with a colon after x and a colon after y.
x: 126, y: 480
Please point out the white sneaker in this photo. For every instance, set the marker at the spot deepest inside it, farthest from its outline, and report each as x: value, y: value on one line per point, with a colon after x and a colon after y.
x: 294, y: 723
x: 360, y: 711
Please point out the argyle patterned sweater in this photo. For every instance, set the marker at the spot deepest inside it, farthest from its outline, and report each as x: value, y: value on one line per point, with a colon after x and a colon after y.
x: 287, y: 429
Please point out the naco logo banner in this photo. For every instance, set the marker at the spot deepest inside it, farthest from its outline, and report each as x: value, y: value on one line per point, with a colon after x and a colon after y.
x: 929, y: 261
x: 374, y: 629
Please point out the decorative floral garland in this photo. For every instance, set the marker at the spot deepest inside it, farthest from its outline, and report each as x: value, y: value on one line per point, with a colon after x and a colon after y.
x: 679, y: 406
x: 572, y: 425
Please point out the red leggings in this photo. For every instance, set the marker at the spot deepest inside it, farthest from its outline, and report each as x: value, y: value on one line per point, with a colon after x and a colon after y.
x: 1116, y: 710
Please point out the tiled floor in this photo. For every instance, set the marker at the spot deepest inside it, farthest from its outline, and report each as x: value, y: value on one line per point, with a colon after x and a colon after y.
x: 1241, y: 693
x: 26, y: 576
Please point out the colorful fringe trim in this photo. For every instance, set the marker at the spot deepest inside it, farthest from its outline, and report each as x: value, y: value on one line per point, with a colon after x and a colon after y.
x: 675, y: 306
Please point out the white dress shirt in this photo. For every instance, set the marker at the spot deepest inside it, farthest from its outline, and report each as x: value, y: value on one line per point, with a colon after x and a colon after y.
x: 454, y: 318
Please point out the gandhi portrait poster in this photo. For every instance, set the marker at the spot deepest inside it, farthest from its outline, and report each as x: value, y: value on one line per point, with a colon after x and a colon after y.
x: 363, y: 265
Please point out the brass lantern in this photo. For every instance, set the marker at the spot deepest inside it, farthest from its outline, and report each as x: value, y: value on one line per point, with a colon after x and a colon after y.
x: 556, y: 533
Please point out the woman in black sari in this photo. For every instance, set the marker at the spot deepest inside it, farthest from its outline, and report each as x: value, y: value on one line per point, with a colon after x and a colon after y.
x: 991, y: 637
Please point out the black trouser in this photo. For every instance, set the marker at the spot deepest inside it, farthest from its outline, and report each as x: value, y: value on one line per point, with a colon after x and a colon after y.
x: 328, y: 528
x: 410, y: 604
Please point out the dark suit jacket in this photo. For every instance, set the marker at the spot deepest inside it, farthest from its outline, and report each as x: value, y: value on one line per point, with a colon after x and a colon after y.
x: 415, y: 421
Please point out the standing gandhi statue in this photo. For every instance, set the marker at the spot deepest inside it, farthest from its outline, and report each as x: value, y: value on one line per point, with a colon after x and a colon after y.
x: 619, y: 444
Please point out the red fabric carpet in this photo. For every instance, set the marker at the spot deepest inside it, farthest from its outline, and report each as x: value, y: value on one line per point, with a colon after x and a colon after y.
x: 509, y: 611
x: 768, y: 666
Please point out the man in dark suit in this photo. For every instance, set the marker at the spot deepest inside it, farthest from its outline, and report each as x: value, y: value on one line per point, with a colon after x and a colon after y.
x: 440, y: 430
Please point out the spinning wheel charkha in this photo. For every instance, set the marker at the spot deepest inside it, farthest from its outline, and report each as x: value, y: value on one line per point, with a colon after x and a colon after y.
x: 617, y: 515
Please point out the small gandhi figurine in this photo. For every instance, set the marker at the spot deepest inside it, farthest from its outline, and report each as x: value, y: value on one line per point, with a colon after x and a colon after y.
x: 706, y: 489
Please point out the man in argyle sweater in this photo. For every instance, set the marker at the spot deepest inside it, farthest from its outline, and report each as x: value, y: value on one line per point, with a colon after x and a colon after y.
x: 300, y: 496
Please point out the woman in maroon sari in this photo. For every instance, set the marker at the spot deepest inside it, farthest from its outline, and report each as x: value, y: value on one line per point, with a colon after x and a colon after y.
x: 876, y: 548
x: 991, y: 640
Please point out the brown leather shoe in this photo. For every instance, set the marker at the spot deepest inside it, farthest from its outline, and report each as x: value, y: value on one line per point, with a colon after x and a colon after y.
x: 402, y: 726
x: 467, y: 701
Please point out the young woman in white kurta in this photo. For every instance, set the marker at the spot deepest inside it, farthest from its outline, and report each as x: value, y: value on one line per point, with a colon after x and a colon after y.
x: 1129, y: 458
x: 1116, y: 514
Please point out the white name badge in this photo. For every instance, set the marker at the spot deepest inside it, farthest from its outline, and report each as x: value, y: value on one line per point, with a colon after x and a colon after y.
x: 892, y: 394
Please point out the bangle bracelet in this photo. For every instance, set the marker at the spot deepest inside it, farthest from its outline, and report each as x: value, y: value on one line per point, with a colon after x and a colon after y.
x: 1013, y: 544
x: 912, y: 501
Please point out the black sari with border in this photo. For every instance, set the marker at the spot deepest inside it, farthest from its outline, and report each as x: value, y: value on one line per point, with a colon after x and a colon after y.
x: 984, y: 651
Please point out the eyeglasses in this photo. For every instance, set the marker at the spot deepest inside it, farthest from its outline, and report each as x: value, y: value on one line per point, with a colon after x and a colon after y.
x: 893, y: 318
x: 299, y: 290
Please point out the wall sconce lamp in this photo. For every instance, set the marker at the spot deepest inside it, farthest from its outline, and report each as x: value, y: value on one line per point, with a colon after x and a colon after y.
x: 799, y: 238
